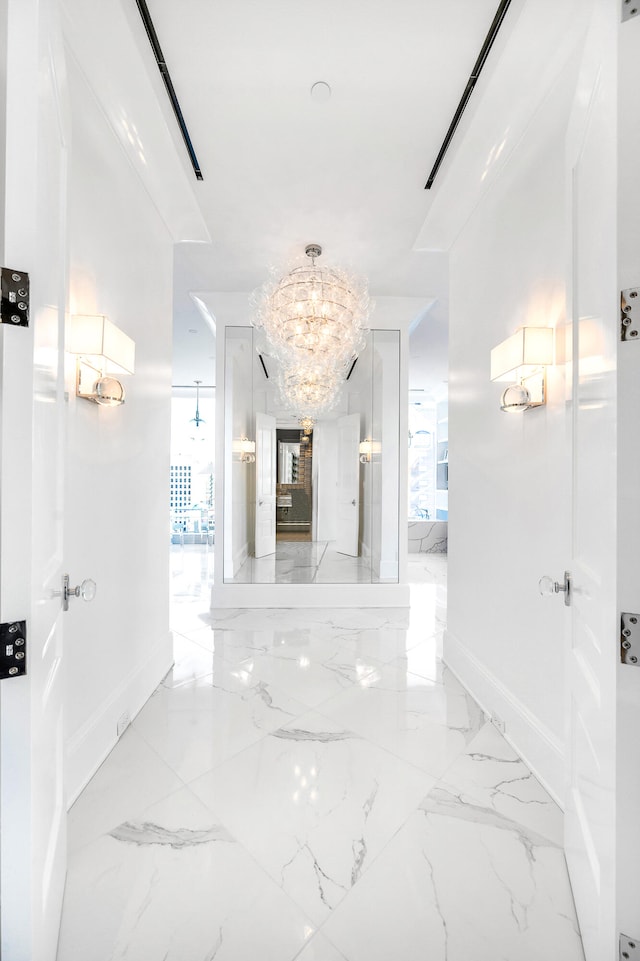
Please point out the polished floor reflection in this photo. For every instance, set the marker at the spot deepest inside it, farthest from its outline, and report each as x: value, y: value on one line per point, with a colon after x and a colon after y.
x: 299, y: 562
x: 314, y: 785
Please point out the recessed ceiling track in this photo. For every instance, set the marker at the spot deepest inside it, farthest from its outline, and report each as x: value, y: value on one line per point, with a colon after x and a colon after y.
x: 166, y: 76
x: 468, y: 90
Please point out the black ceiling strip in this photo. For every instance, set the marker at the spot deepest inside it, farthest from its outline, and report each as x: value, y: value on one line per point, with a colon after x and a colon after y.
x: 355, y: 361
x: 166, y: 76
x: 489, y: 40
x: 266, y: 373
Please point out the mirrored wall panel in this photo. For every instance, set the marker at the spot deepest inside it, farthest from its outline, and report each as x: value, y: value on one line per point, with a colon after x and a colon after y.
x: 315, y: 505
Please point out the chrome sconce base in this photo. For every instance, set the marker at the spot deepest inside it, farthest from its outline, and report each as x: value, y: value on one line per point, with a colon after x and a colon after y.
x: 528, y: 393
x: 91, y: 385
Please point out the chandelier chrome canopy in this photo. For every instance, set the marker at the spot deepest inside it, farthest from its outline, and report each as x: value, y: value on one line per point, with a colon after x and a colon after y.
x: 314, y: 319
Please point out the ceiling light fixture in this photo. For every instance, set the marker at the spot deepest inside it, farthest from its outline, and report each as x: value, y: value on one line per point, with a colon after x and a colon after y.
x: 320, y: 91
x: 312, y: 311
x: 315, y: 321
x: 197, y: 420
x: 306, y: 423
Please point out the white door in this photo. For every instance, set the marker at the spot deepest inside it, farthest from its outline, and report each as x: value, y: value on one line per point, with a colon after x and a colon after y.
x: 265, y: 485
x: 33, y: 815
x: 592, y: 642
x: 348, y: 484
x: 628, y: 754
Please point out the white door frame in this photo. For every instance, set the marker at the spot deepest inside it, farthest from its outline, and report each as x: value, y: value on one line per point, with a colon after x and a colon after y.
x: 628, y: 438
x: 348, y: 493
x: 265, y: 512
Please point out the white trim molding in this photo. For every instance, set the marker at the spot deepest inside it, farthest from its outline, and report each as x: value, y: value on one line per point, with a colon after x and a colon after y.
x: 540, y: 749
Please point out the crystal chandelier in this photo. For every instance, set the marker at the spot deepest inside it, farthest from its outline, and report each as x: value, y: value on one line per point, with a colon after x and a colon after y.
x: 314, y: 319
x: 313, y: 313
x: 309, y: 391
x: 306, y: 423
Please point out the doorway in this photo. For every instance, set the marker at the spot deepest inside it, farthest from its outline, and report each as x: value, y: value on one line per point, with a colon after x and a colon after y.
x: 294, y: 492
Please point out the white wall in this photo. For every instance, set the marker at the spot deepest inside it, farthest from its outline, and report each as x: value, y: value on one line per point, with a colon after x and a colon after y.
x: 386, y: 461
x: 509, y: 474
x: 118, y: 648
x: 239, y: 477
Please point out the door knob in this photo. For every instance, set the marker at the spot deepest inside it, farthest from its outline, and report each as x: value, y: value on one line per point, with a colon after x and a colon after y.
x: 86, y: 590
x: 353, y: 502
x: 547, y: 585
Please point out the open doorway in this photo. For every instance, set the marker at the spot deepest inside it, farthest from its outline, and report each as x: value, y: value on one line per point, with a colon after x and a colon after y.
x: 294, y: 493
x: 191, y: 491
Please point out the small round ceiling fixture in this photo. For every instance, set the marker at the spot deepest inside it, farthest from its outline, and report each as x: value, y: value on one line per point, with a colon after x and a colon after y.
x: 320, y: 92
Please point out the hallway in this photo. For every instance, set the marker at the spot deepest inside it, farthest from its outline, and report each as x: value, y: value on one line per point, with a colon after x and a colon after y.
x: 314, y: 785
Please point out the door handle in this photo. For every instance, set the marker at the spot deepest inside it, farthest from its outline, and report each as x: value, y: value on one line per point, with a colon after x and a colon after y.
x: 353, y: 502
x: 86, y: 590
x: 547, y: 585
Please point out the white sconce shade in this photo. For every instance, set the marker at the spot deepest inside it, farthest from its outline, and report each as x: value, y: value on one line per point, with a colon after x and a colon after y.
x: 367, y: 448
x: 528, y: 349
x: 101, y: 343
x: 246, y: 448
x: 523, y: 358
x: 101, y: 348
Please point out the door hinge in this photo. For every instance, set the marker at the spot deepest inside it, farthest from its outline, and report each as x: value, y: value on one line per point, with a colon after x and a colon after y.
x: 630, y: 313
x: 630, y: 639
x: 630, y: 9
x: 13, y: 649
x: 14, y: 306
x: 629, y: 948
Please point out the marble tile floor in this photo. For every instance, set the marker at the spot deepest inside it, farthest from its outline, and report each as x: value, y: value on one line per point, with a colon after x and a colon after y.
x: 299, y: 562
x: 315, y: 785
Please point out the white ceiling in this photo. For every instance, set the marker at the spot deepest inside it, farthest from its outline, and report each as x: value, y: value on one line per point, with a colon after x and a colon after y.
x: 282, y: 170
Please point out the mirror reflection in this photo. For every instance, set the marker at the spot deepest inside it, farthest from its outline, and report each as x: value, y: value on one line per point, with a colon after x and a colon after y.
x: 311, y: 504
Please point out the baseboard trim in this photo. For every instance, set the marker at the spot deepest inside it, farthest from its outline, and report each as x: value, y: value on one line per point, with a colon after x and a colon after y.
x: 540, y: 749
x: 88, y: 747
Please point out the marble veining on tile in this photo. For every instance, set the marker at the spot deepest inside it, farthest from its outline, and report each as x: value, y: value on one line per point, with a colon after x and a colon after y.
x: 332, y: 802
x: 315, y: 785
x: 148, y: 833
x: 428, y: 537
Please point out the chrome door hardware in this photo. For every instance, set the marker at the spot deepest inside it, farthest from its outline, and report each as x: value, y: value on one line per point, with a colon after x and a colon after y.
x: 547, y: 585
x: 13, y: 649
x: 630, y: 9
x: 630, y: 313
x: 86, y: 590
x: 14, y: 308
x: 630, y: 642
x: 629, y: 949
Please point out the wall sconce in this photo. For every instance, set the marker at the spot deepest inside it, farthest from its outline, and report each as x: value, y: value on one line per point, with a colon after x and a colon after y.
x: 246, y: 448
x: 102, y: 349
x: 367, y: 448
x: 523, y: 357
